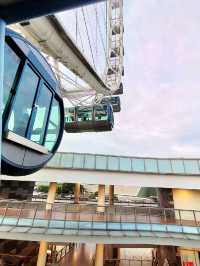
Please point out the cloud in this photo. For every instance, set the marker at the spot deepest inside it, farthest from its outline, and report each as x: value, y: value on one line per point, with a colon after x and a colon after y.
x: 160, y: 105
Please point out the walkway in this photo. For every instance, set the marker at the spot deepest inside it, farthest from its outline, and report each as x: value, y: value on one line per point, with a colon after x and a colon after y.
x: 118, y: 170
x: 81, y: 223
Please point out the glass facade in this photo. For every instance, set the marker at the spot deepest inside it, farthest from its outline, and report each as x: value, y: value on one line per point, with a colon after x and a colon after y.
x: 126, y: 164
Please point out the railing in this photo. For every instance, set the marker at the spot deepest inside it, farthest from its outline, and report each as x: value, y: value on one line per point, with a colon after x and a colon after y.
x: 56, y: 256
x: 128, y: 262
x: 93, y: 217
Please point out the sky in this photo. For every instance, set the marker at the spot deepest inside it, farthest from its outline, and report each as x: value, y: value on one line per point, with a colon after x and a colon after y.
x: 161, y: 101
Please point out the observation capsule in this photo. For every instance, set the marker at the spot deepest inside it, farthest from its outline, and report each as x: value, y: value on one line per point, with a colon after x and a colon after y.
x: 33, y: 111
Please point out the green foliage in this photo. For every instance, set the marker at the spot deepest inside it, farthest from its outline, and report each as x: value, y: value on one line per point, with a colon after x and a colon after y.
x: 93, y: 195
x: 43, y: 188
x: 66, y: 188
x: 146, y: 192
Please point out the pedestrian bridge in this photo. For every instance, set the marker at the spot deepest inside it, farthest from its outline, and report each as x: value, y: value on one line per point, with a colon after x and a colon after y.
x: 118, y: 170
x: 86, y: 223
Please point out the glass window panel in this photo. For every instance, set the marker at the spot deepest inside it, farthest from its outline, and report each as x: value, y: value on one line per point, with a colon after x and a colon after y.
x: 89, y: 161
x: 177, y: 166
x: 40, y: 114
x: 101, y: 113
x: 138, y: 165
x: 55, y: 161
x: 125, y: 164
x: 22, y: 107
x: 78, y: 161
x: 84, y: 114
x: 67, y: 160
x: 11, y: 65
x: 164, y: 166
x: 101, y: 162
x: 151, y: 165
x: 53, y: 126
x: 113, y: 163
x: 70, y: 115
x: 191, y: 166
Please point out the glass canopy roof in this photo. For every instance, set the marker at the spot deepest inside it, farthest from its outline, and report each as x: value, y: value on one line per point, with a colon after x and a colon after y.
x: 125, y: 164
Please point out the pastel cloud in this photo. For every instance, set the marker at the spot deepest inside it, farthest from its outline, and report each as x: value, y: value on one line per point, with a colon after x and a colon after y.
x: 161, y: 103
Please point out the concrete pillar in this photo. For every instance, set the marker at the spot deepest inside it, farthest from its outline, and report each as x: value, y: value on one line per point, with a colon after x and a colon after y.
x: 99, y: 257
x: 42, y: 254
x: 165, y: 197
x: 101, y: 198
x: 167, y: 254
x: 77, y: 190
x: 111, y: 195
x: 51, y: 195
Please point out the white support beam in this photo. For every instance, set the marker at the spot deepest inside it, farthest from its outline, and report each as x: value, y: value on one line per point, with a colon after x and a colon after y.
x: 62, y: 175
x: 179, y: 240
x: 48, y: 34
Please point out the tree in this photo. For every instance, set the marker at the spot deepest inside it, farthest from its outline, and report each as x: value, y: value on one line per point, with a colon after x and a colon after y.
x: 65, y: 188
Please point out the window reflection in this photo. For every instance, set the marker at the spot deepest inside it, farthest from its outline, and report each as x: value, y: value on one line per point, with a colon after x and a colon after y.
x: 22, y: 107
x: 11, y: 65
x: 70, y: 115
x: 101, y: 113
x: 40, y: 114
x: 53, y: 126
x: 84, y: 114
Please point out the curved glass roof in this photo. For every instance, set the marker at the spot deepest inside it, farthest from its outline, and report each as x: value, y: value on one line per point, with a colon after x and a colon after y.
x: 172, y: 166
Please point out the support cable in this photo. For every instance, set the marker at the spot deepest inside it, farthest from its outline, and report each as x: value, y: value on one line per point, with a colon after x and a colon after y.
x: 88, y: 37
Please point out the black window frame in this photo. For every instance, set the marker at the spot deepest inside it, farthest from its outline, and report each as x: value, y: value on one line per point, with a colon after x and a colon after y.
x: 24, y: 61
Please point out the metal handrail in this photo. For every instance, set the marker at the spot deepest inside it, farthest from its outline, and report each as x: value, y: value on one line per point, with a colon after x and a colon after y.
x: 57, y: 257
x: 128, y: 262
x: 89, y: 213
x: 85, y: 207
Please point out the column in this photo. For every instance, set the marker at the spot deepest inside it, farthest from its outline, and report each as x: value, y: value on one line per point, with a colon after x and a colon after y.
x: 101, y: 198
x: 42, y: 254
x: 51, y: 195
x: 111, y: 195
x: 167, y: 254
x: 99, y: 258
x: 77, y: 190
x: 2, y: 47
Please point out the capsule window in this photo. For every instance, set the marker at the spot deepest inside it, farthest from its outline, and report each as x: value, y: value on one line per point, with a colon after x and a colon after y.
x: 23, y: 102
x: 53, y: 128
x: 84, y: 114
x: 40, y: 115
x: 101, y: 113
x: 11, y: 65
x: 70, y: 115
